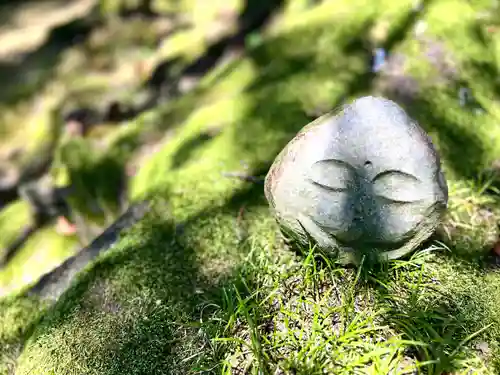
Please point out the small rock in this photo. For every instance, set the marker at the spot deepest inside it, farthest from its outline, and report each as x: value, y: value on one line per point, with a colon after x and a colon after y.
x: 483, y: 347
x: 379, y: 56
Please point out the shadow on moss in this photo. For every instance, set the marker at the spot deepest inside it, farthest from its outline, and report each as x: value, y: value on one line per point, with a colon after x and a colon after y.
x: 149, y: 299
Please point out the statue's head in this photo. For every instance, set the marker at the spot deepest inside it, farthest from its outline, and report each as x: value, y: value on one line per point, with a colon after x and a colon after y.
x: 364, y: 181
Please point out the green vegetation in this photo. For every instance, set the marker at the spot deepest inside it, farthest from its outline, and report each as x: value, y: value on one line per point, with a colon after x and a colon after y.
x: 204, y: 284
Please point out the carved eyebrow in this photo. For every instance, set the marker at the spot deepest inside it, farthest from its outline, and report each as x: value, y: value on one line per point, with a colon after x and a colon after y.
x: 397, y: 173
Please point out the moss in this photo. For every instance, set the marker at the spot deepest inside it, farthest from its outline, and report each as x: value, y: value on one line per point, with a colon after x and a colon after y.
x: 17, y: 318
x: 42, y: 252
x: 158, y: 302
x: 13, y: 217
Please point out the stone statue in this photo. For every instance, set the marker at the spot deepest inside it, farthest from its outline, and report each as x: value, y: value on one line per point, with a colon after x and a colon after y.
x: 364, y: 182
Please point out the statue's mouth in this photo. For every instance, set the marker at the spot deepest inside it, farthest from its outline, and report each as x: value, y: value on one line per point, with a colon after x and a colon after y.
x: 356, y: 243
x: 371, y: 244
x: 357, y: 239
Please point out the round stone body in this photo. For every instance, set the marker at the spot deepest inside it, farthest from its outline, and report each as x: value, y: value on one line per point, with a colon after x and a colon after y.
x: 366, y: 181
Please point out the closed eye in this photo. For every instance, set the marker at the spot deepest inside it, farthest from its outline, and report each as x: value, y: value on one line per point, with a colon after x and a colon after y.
x: 397, y: 201
x: 332, y: 175
x: 327, y: 188
x: 393, y: 172
x: 397, y: 187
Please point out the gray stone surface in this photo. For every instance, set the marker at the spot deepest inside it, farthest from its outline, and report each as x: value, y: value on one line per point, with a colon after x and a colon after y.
x: 366, y: 181
x: 56, y: 282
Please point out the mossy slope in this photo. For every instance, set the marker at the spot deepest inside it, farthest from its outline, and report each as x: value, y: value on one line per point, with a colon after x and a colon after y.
x: 203, y: 283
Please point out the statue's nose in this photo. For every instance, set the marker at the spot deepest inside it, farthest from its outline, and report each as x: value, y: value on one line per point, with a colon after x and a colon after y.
x: 364, y: 208
x: 358, y: 211
x: 358, y: 217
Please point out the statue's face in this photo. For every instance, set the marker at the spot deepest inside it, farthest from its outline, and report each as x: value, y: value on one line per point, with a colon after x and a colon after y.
x: 366, y: 177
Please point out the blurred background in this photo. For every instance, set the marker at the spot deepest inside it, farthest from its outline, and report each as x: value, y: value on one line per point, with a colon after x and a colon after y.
x: 91, y: 89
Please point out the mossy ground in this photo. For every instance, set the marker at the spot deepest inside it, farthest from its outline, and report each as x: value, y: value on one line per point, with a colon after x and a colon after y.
x: 204, y: 285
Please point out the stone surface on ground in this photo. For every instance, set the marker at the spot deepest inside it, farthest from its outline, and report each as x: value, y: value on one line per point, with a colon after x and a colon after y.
x: 366, y: 181
x: 54, y: 283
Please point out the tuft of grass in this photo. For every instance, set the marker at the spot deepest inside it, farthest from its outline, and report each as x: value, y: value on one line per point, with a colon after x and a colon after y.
x: 307, y: 316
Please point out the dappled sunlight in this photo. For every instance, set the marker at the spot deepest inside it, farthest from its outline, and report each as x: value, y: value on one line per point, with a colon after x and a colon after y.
x: 204, y: 282
x: 42, y: 252
x: 13, y: 217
